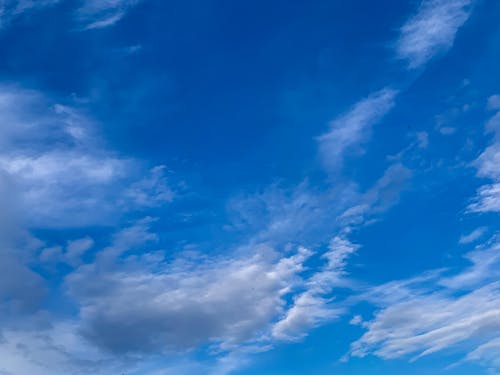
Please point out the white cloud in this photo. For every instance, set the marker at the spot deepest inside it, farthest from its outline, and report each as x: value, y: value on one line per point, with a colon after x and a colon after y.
x: 485, y: 262
x: 493, y: 103
x: 472, y: 236
x: 152, y: 190
x: 10, y: 9
x: 348, y: 132
x: 423, y: 139
x: 58, y: 170
x: 432, y: 30
x: 447, y: 130
x: 488, y: 166
x: 93, y: 14
x: 98, y: 14
x: 314, y: 306
x: 307, y: 216
x: 303, y: 215
x: 443, y: 311
x: 76, y: 248
x: 439, y: 313
x: 185, y: 303
x: 487, y: 199
x: 488, y: 353
x: 71, y: 254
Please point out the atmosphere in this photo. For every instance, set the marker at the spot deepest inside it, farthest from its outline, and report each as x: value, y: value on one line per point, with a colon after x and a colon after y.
x: 301, y: 187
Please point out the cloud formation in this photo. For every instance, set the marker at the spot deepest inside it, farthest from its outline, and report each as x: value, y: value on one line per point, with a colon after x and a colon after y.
x: 314, y: 306
x: 98, y: 14
x: 60, y: 172
x: 223, y: 301
x: 11, y: 9
x: 417, y: 319
x: 488, y: 167
x: 348, y: 132
x: 431, y: 30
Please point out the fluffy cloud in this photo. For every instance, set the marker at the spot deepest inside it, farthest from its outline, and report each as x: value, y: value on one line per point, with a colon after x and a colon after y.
x: 184, y: 303
x: 432, y: 30
x: 58, y: 170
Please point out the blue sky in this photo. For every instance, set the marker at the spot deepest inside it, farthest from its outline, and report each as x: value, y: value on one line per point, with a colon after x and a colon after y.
x: 277, y: 188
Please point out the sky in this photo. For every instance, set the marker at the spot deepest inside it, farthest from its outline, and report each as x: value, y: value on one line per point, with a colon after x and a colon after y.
x: 267, y: 187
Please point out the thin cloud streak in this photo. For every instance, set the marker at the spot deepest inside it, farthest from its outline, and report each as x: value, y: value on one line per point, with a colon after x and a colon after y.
x: 432, y: 30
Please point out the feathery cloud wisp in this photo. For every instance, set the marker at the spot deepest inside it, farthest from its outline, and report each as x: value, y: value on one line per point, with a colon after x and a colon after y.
x: 348, y: 132
x: 432, y: 30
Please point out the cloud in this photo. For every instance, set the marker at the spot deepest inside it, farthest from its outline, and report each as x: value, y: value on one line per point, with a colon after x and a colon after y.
x: 438, y: 313
x: 11, y: 9
x: 487, y: 199
x: 348, y: 132
x: 98, y: 14
x: 488, y: 166
x: 300, y: 214
x: 493, y: 103
x: 21, y: 289
x: 485, y: 262
x: 488, y: 353
x: 314, y: 306
x: 71, y: 254
x: 58, y: 170
x: 304, y: 215
x: 472, y: 236
x: 423, y: 139
x: 431, y: 30
x: 444, y: 310
x: 310, y: 216
x: 191, y: 301
x: 93, y: 14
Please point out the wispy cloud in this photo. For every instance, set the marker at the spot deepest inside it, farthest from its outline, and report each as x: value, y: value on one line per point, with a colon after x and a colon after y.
x: 313, y: 307
x: 431, y: 30
x: 11, y: 9
x: 493, y: 103
x: 446, y: 310
x: 98, y: 14
x: 472, y: 236
x: 92, y: 14
x: 348, y: 132
x: 436, y: 313
x: 488, y: 166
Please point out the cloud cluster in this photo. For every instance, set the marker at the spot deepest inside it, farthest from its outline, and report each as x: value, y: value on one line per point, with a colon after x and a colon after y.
x: 133, y: 302
x: 193, y: 300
